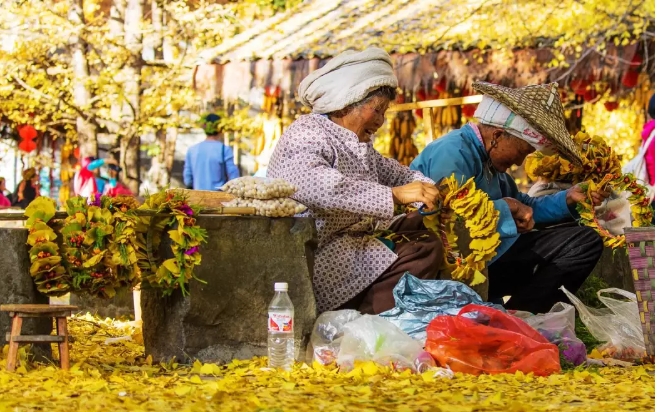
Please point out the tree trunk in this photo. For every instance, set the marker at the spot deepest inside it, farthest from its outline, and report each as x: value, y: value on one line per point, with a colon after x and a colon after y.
x: 86, y: 130
x: 129, y: 153
x: 130, y: 142
x: 161, y: 165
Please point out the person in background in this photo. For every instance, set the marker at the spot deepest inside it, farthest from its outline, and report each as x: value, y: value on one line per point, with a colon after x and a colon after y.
x: 4, y: 201
x: 209, y: 164
x: 86, y: 182
x: 28, y: 188
x: 115, y: 187
x: 648, y: 134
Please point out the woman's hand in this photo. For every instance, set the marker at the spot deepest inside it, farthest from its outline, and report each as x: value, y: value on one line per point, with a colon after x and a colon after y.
x: 414, y: 192
x: 578, y: 193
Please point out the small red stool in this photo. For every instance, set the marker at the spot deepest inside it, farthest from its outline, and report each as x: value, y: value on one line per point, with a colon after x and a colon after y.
x: 18, y: 312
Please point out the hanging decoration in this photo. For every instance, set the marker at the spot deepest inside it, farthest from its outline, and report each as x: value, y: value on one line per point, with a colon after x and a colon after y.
x: 186, y: 237
x: 102, y: 245
x: 27, y: 134
x: 472, y: 206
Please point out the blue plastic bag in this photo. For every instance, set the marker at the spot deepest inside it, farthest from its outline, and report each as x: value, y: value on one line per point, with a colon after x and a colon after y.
x: 417, y: 302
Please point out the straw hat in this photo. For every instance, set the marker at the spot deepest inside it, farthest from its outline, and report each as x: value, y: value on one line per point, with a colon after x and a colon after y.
x: 540, y: 105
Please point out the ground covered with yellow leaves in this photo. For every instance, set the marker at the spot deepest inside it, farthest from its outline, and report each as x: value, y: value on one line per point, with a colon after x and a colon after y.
x: 110, y: 373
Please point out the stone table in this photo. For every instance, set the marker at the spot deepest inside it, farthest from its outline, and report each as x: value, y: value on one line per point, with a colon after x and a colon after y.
x: 226, y: 318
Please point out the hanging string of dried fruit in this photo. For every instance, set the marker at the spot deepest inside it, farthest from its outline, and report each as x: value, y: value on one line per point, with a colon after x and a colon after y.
x: 402, y: 147
x: 600, y: 167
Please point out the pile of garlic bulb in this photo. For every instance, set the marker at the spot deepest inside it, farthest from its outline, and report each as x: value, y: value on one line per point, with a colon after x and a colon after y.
x: 270, y: 197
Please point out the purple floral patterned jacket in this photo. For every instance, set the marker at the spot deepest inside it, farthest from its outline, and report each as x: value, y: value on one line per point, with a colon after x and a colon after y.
x: 347, y: 187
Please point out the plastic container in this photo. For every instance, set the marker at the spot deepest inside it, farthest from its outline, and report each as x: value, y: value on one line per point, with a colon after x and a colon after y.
x: 281, y: 349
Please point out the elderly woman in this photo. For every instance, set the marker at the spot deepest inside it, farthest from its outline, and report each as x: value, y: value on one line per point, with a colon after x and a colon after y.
x: 351, y: 190
x: 530, y: 266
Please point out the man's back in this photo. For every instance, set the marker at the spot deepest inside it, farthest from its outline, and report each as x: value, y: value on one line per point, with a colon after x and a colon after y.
x: 209, y: 165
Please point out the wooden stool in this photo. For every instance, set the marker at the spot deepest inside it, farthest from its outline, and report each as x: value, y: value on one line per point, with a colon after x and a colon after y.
x: 18, y: 312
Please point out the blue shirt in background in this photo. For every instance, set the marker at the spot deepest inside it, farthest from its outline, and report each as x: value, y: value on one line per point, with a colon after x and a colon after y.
x: 461, y: 153
x: 209, y: 165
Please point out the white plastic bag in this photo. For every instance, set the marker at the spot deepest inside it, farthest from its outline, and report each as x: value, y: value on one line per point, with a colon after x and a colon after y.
x: 558, y: 326
x: 327, y: 335
x: 617, y: 325
x: 372, y: 338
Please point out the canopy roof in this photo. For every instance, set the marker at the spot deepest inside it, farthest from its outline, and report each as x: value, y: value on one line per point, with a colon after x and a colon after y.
x: 324, y: 28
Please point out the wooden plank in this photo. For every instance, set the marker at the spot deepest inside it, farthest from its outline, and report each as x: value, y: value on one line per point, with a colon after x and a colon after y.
x: 204, y: 198
x: 34, y: 338
x: 205, y: 211
x: 455, y: 101
x: 44, y: 315
x: 34, y: 308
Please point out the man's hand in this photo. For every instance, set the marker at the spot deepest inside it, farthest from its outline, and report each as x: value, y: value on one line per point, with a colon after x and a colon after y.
x: 416, y: 192
x: 522, y: 214
x: 578, y: 193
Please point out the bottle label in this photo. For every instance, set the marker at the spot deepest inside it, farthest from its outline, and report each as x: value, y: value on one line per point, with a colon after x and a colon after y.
x: 280, y: 322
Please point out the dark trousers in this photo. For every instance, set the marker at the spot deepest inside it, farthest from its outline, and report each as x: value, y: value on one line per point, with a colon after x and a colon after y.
x: 538, y: 263
x: 420, y: 252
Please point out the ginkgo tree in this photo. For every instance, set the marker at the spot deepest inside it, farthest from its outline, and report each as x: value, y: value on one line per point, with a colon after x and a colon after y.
x: 79, y: 68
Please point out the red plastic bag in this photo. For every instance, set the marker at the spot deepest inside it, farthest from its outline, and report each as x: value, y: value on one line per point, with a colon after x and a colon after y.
x: 493, y: 342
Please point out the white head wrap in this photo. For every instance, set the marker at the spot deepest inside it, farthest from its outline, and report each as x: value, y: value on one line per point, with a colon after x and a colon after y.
x: 347, y: 79
x: 492, y: 112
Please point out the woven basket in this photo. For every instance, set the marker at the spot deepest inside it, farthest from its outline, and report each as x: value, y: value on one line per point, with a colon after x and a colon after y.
x: 641, y: 252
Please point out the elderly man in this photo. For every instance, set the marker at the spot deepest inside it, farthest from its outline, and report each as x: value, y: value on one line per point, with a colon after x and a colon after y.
x: 530, y: 265
x: 351, y: 190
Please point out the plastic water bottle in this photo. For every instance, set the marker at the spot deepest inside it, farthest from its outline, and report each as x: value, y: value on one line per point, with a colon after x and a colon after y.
x: 280, y: 329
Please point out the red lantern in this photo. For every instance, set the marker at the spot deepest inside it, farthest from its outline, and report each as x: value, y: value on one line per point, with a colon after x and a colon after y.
x: 637, y: 60
x: 611, y: 106
x: 630, y: 79
x: 468, y: 110
x: 591, y: 96
x: 579, y: 86
x: 27, y: 146
x: 27, y: 132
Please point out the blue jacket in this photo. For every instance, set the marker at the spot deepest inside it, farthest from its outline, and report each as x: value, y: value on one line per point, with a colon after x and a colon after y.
x: 461, y: 153
x: 209, y: 165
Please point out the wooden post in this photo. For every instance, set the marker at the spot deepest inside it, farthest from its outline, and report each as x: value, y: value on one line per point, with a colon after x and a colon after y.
x: 427, y: 118
x: 12, y: 356
x: 137, y: 308
x: 63, y: 346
